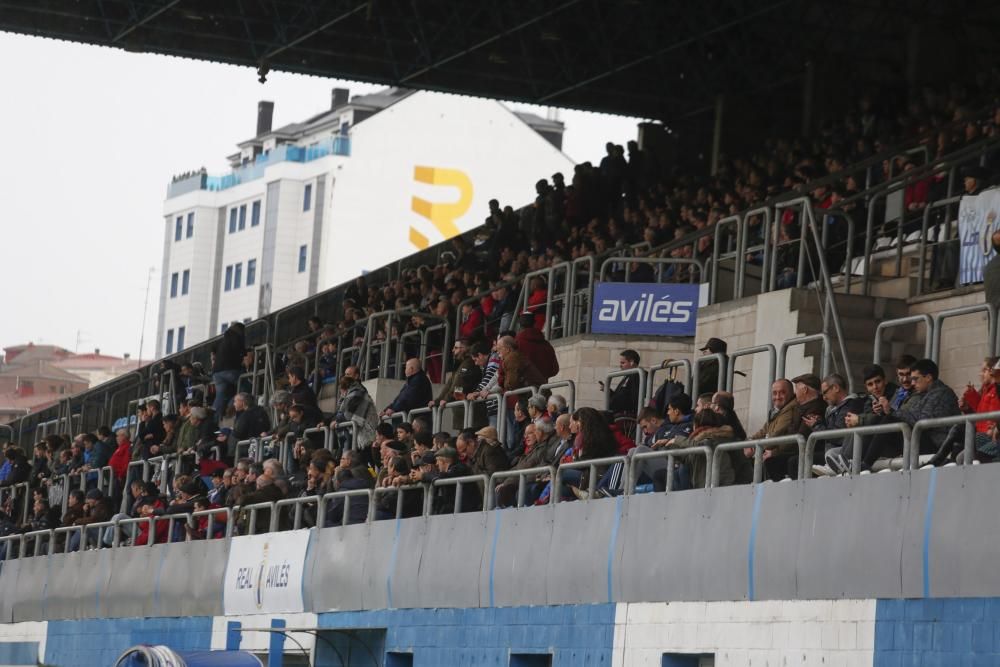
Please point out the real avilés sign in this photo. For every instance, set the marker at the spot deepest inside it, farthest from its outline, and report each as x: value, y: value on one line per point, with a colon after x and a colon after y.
x: 648, y: 309
x: 265, y: 573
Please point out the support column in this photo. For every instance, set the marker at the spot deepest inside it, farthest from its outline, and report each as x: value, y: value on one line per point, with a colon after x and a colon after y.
x: 276, y: 648
x: 717, y: 133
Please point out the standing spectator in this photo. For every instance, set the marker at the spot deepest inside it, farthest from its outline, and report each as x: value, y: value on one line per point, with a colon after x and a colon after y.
x: 300, y: 391
x: 227, y: 364
x: 991, y: 273
x: 463, y: 381
x: 625, y: 397
x: 356, y: 406
x: 416, y: 393
x: 533, y: 346
x: 516, y: 372
x: 122, y: 456
x: 538, y: 296
x: 782, y: 420
x: 711, y: 377
x: 488, y: 362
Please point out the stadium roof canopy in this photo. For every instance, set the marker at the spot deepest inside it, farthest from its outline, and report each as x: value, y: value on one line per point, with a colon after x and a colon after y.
x: 661, y: 59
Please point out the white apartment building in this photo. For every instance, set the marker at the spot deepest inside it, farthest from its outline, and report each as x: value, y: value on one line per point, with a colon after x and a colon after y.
x: 311, y: 205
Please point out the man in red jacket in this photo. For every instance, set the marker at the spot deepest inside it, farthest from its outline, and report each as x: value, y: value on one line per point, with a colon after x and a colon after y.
x: 532, y: 345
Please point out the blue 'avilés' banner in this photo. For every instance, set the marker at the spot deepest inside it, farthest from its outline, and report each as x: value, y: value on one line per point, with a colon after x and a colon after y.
x: 648, y: 309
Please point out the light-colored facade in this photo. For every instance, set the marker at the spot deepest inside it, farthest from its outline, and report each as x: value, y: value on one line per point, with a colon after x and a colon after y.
x: 311, y: 205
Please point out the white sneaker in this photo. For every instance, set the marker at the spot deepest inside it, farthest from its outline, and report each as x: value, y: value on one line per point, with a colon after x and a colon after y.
x: 823, y: 471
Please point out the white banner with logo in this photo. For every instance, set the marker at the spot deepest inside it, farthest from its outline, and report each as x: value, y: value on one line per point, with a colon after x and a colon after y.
x: 265, y: 573
x: 978, y: 218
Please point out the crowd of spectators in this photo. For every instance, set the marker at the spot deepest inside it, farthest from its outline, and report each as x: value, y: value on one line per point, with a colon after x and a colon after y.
x: 626, y: 199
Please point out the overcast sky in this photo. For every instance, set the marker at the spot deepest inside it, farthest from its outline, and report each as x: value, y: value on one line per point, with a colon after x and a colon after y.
x: 92, y: 137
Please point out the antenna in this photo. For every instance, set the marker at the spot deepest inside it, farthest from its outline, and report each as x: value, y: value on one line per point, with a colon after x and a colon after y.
x: 145, y: 307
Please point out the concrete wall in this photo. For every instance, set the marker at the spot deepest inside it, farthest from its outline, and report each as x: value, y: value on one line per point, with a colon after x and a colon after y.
x: 585, y: 360
x: 964, y: 341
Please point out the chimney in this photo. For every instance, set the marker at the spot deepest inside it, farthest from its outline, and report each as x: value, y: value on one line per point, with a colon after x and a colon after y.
x: 97, y: 351
x: 265, y: 113
x: 339, y: 97
x: 126, y: 356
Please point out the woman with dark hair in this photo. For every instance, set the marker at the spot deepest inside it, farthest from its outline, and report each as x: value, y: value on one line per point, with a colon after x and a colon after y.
x: 594, y: 439
x: 710, y: 430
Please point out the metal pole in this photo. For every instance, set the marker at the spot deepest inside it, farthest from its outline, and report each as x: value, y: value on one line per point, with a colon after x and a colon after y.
x: 717, y: 133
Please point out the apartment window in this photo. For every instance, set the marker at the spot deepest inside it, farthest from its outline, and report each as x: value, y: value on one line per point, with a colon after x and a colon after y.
x: 170, y: 341
x: 307, y: 197
x: 255, y: 214
x: 238, y: 276
x: 243, y: 217
x: 178, y: 227
x: 190, y: 226
x: 229, y: 277
x: 232, y: 220
x: 251, y: 272
x: 302, y: 259
x: 180, y: 338
x: 185, y: 281
x: 173, y: 285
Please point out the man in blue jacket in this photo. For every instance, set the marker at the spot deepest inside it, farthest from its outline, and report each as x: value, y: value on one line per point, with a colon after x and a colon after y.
x: 417, y: 391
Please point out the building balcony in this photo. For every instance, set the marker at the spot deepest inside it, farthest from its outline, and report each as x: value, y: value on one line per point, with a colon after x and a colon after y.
x: 340, y: 145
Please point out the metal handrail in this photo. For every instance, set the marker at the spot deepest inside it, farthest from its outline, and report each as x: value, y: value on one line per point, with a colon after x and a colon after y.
x: 693, y: 380
x: 940, y: 317
x: 856, y: 433
x: 400, y: 494
x: 253, y: 509
x: 671, y: 366
x: 211, y: 514
x: 772, y: 364
x: 568, y: 384
x: 659, y: 261
x: 458, y: 483
x: 497, y: 480
x: 924, y: 223
x: 737, y: 254
x: 804, y: 340
x: 758, y: 456
x: 903, y: 321
x: 502, y: 407
x: 911, y: 453
x: 591, y: 466
x: 438, y: 420
x: 625, y: 372
x: 670, y: 455
x: 346, y: 495
x: 298, y: 503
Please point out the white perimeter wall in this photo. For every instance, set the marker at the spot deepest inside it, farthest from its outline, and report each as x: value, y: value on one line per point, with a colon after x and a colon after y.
x: 770, y: 633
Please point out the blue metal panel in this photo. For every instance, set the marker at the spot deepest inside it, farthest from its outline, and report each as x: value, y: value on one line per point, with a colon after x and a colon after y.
x: 937, y: 631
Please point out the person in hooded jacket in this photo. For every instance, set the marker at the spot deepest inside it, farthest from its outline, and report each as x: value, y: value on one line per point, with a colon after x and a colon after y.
x: 532, y: 345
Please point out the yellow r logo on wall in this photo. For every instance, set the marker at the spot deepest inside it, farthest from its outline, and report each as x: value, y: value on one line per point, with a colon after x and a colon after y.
x: 441, y: 215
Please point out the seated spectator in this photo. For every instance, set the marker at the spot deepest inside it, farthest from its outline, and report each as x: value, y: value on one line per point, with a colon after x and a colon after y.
x: 811, y: 401
x: 533, y: 346
x: 556, y: 405
x: 481, y: 451
x: 444, y: 495
x: 841, y: 404
x: 537, y: 406
x: 625, y: 397
x: 266, y: 492
x: 984, y: 399
x: 389, y: 503
x: 300, y: 392
x: 930, y: 398
x: 96, y: 509
x: 783, y: 419
x: 710, y: 430
x: 352, y: 476
x: 200, y: 530
x: 250, y: 420
x: 19, y: 470
x: 327, y: 363
x: 540, y: 449
x: 417, y: 391
x: 593, y: 440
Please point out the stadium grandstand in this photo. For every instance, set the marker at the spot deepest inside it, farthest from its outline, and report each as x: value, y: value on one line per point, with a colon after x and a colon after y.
x: 816, y: 431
